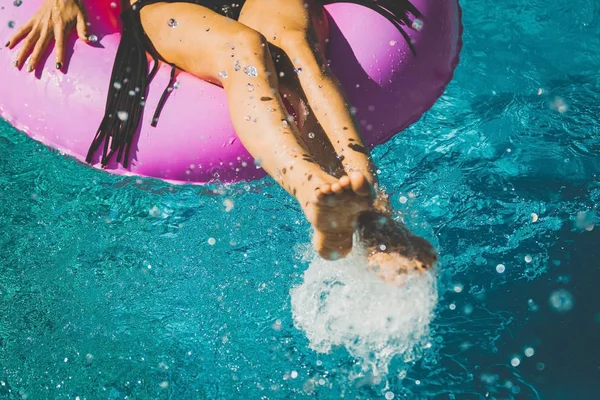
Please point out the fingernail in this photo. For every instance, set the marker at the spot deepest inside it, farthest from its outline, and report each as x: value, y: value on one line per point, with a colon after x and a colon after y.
x: 7, y: 44
x: 16, y: 63
x: 29, y: 68
x: 58, y: 65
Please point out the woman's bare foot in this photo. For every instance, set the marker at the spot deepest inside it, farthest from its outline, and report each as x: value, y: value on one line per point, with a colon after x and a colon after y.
x: 333, y: 209
x: 393, y: 251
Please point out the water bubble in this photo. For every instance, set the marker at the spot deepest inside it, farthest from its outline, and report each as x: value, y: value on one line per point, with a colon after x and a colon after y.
x: 117, y: 85
x: 212, y: 241
x: 382, y: 247
x: 458, y: 288
x: 277, y: 325
x: 311, y: 135
x: 298, y: 70
x: 250, y: 87
x: 500, y: 268
x: 393, y: 42
x: 222, y: 74
x: 529, y: 351
x: 417, y: 382
x: 515, y: 361
x: 294, y: 374
x: 247, y: 118
x: 11, y: 24
x: 92, y: 38
x: 561, y: 300
x: 17, y: 3
x: 403, y: 199
x: 417, y: 24
x: 251, y: 71
x: 452, y: 306
x: 164, y: 384
x: 113, y: 5
x: 528, y: 258
x: 131, y: 93
x: 155, y: 212
x: 123, y: 115
x: 172, y: 22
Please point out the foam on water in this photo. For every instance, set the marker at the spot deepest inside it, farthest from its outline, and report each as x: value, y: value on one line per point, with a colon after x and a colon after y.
x: 341, y: 303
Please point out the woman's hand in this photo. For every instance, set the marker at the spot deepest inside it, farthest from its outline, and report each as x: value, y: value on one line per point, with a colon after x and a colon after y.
x: 53, y: 20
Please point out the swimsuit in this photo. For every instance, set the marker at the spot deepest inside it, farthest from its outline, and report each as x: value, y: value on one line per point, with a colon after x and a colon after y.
x: 130, y: 78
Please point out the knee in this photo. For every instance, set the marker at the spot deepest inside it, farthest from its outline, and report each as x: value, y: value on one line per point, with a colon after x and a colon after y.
x: 248, y: 42
x: 303, y: 50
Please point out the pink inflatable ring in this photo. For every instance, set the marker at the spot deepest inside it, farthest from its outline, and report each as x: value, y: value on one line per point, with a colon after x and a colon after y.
x: 388, y: 85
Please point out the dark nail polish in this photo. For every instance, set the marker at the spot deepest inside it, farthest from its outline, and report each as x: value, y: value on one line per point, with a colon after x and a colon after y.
x: 7, y: 44
x: 16, y: 63
x: 58, y: 65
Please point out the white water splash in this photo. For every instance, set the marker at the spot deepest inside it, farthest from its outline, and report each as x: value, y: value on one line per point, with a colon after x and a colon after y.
x: 341, y: 303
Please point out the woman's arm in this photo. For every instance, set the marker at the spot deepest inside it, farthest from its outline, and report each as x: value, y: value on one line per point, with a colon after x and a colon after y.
x: 53, y: 20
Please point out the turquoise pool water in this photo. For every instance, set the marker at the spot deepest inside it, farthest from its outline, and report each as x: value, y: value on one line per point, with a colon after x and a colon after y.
x: 114, y: 288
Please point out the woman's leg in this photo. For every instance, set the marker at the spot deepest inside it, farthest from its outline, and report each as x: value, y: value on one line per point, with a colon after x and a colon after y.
x: 226, y: 52
x: 298, y: 28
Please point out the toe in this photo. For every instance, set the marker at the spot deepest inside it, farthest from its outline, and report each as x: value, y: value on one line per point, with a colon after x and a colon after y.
x: 337, y: 187
x: 346, y: 182
x: 323, y: 191
x: 359, y: 183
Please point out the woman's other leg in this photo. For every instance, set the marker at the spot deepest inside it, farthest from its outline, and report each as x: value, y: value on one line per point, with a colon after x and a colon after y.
x: 223, y: 51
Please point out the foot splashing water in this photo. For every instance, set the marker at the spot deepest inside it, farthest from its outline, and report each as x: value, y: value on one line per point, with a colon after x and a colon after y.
x: 342, y: 303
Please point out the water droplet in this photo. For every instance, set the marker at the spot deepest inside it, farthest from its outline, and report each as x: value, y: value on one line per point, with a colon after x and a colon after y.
x: 113, y: 5
x: 515, y: 361
x: 251, y: 71
x: 11, y: 24
x: 17, y: 3
x: 117, y: 85
x: 123, y: 115
x: 175, y: 85
x: 228, y: 203
x: 272, y: 109
x: 389, y: 395
x: 236, y: 65
x: 212, y: 241
x: 311, y: 135
x: 561, y: 300
x: 222, y: 74
x: 164, y: 384
x: 247, y: 118
x: 559, y: 105
x: 294, y: 374
x: 528, y: 258
x: 250, y: 87
x: 534, y: 217
x: 281, y: 74
x: 529, y: 351
x: 458, y: 288
x: 298, y: 70
x: 131, y: 93
x: 154, y: 211
x: 417, y: 24
x: 403, y: 199
x: 500, y: 268
x: 172, y: 22
x: 382, y: 247
x: 92, y: 38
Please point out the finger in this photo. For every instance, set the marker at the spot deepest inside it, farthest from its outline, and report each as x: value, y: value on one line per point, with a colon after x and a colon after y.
x: 82, y: 31
x: 28, y: 44
x: 39, y: 49
x: 19, y: 35
x: 59, y: 35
